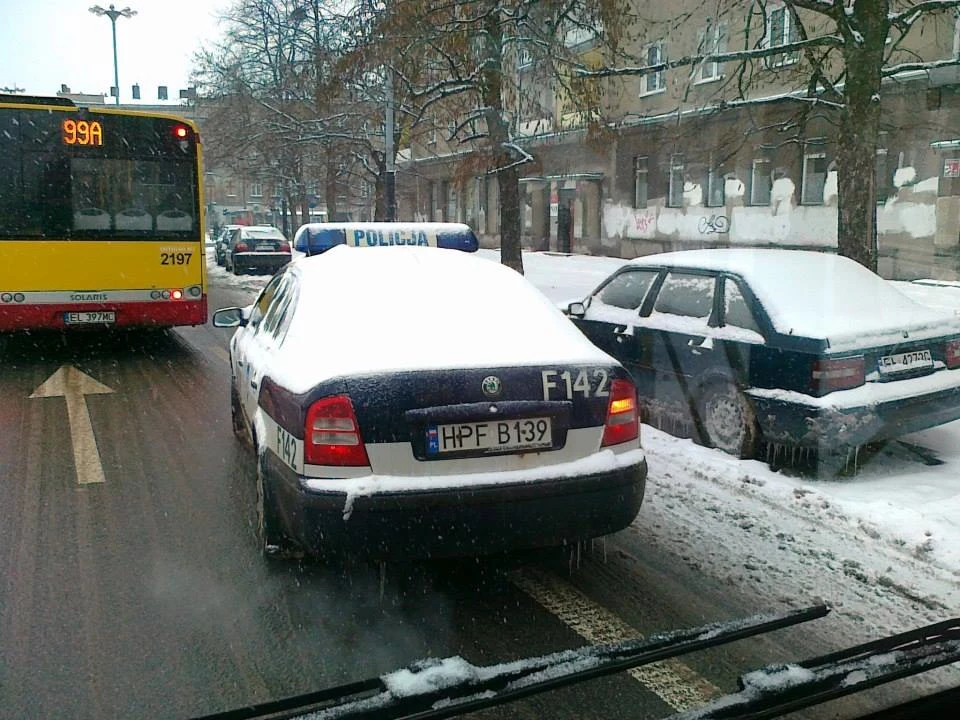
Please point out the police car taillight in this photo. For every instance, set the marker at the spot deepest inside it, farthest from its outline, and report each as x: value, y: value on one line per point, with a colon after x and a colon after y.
x: 623, y: 418
x: 332, y: 434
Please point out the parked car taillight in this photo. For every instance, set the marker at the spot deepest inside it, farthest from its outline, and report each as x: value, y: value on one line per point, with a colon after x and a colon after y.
x: 332, y: 434
x: 838, y: 374
x: 952, y: 353
x: 284, y: 247
x: 623, y: 418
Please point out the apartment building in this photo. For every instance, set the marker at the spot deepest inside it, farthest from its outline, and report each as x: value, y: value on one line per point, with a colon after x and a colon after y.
x: 718, y: 154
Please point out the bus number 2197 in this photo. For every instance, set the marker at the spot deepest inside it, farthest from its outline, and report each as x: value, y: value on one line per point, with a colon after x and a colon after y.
x: 175, y: 258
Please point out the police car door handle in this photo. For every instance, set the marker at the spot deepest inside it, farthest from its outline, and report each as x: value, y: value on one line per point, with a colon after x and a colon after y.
x: 253, y: 383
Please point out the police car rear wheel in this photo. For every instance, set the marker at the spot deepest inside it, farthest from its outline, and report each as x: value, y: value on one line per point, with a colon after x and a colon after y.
x: 273, y: 542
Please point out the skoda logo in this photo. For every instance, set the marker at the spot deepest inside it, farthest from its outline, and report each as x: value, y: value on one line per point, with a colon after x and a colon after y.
x: 491, y: 386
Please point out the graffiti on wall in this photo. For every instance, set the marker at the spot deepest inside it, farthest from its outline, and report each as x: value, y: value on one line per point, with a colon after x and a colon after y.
x: 710, y: 224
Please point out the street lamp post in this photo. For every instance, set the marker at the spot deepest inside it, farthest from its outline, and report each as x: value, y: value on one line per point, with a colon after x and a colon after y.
x: 113, y: 14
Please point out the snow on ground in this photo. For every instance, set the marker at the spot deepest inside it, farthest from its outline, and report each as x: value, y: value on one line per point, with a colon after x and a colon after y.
x: 882, y: 545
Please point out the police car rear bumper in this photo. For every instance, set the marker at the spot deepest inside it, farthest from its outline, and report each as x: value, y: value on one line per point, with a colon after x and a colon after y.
x: 458, y: 522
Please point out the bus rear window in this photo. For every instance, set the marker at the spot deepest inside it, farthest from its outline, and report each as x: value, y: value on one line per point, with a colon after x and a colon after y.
x: 137, y: 185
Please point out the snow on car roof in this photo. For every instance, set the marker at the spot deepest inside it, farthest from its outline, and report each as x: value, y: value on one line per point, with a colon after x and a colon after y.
x: 389, y: 309
x: 819, y: 295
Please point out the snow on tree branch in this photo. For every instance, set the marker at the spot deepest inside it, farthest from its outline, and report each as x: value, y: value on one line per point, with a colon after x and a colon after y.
x: 909, y: 67
x: 906, y: 18
x: 525, y: 158
x: 737, y: 55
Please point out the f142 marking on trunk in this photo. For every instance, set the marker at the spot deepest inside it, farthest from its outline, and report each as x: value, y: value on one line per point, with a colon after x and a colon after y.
x: 563, y: 385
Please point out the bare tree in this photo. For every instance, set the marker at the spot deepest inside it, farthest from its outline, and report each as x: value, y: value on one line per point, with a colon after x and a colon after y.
x: 286, y: 98
x: 456, y: 64
x: 845, y: 49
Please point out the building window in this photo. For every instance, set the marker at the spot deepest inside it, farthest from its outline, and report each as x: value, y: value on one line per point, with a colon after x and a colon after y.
x: 231, y: 191
x: 256, y: 190
x: 715, y: 187
x: 640, y: 182
x: 675, y: 192
x: 654, y: 82
x: 711, y: 40
x: 781, y: 30
x: 814, y: 177
x: 884, y: 182
x: 761, y: 181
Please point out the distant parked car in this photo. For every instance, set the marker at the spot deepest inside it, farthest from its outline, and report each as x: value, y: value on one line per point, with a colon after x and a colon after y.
x: 257, y: 247
x: 802, y: 349
x: 222, y: 242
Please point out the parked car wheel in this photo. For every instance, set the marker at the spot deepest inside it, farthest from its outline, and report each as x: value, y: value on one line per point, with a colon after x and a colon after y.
x: 727, y: 419
x: 273, y: 541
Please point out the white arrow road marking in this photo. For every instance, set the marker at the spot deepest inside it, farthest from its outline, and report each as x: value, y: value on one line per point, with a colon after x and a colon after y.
x: 72, y: 384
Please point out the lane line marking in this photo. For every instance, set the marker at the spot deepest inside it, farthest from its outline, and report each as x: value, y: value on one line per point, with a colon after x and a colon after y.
x: 672, y: 681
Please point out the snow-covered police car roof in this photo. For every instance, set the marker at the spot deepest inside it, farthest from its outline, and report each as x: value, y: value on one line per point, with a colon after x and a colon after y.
x: 360, y: 313
x: 316, y: 238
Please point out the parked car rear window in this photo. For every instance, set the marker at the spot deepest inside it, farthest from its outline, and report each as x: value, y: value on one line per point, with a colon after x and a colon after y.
x: 687, y: 295
x: 628, y: 289
x: 736, y: 312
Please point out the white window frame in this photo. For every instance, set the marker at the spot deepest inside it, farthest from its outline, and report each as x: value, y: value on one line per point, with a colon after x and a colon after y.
x: 676, y: 171
x: 641, y: 169
x: 711, y: 40
x: 808, y: 155
x: 524, y: 59
x: 714, y: 180
x: 654, y: 82
x: 787, y: 35
x: 956, y: 33
x: 765, y: 165
x: 256, y: 190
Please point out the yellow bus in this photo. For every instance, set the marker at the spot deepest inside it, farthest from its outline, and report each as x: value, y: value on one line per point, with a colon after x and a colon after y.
x: 101, y: 217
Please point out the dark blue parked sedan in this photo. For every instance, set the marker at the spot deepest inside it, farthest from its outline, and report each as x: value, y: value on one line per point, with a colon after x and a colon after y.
x: 742, y: 347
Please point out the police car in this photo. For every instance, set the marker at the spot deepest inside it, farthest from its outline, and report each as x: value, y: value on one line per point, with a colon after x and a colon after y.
x: 407, y: 399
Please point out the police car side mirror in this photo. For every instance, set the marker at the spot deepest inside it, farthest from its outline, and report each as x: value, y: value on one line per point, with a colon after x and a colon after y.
x: 576, y: 309
x: 229, y: 317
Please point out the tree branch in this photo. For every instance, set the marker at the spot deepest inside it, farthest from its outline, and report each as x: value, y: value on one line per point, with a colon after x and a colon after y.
x: 738, y: 55
x: 907, y: 67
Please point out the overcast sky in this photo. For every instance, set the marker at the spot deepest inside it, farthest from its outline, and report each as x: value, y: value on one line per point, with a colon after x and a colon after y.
x: 46, y: 43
